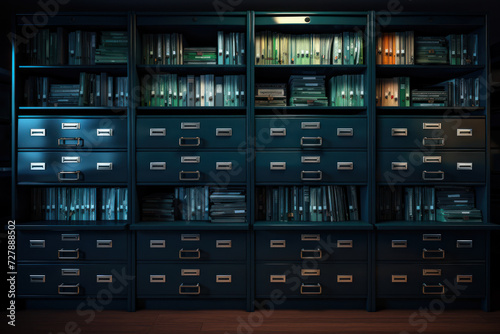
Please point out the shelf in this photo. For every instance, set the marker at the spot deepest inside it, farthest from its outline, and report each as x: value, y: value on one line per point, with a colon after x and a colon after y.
x: 433, y: 225
x: 426, y: 71
x: 68, y: 71
x: 277, y: 111
x: 281, y: 71
x: 56, y: 111
x: 192, y: 69
x: 345, y: 225
x: 48, y: 225
x: 184, y: 225
x: 452, y: 111
x: 191, y: 110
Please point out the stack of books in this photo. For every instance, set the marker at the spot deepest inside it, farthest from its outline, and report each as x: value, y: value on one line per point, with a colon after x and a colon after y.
x: 307, y: 91
x: 270, y: 95
x: 200, y: 56
x: 431, y: 50
x: 158, y: 207
x: 227, y: 205
x: 429, y: 97
x: 113, y: 48
x: 456, y: 204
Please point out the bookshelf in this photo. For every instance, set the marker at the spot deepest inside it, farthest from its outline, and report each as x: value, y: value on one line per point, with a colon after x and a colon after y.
x: 211, y: 176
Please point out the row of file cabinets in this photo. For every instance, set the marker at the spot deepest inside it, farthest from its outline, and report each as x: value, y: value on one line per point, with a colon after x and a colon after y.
x: 230, y: 132
x: 271, y: 166
x: 232, y: 246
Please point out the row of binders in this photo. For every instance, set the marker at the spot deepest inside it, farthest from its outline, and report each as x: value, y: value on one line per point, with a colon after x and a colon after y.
x: 307, y: 203
x: 403, y: 48
x: 442, y: 204
x: 459, y: 92
x: 347, y: 91
x: 85, y: 204
x: 170, y: 49
x: 218, y: 205
x: 77, y: 47
x: 171, y: 90
x: 93, y: 90
x: 276, y: 48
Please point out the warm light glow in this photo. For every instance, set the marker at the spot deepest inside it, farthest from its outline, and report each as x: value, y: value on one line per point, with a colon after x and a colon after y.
x: 292, y: 19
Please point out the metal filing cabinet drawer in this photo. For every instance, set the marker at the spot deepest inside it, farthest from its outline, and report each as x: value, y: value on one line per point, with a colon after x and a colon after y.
x: 70, y: 280
x: 431, y: 281
x: 191, y: 280
x: 339, y: 280
x: 430, y: 132
x: 191, y: 246
x: 431, y: 167
x: 72, y: 133
x: 191, y: 167
x: 315, y: 245
x: 311, y: 132
x: 71, y: 246
x: 311, y: 167
x: 190, y: 133
x: 72, y: 167
x: 431, y: 246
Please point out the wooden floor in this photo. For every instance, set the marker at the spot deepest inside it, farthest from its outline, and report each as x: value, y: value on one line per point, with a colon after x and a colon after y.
x: 236, y: 322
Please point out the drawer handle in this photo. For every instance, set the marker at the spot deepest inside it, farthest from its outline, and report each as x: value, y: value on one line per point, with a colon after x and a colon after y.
x: 70, y: 160
x: 431, y: 126
x: 399, y: 132
x: 277, y: 165
x: 433, y: 254
x: 66, y: 289
x: 310, y: 237
x: 70, y: 126
x: 310, y: 289
x: 431, y: 237
x: 464, y: 132
x: 310, y: 125
x: 317, y: 175
x: 464, y: 165
x: 311, y: 253
x: 104, y: 166
x: 157, y: 279
x: 399, y: 243
x: 432, y: 159
x: 189, y: 254
x: 345, y: 132
x: 157, y: 132
x: 344, y: 243
x: 399, y: 279
x: 190, y: 272
x: 345, y: 165
x: 433, y: 175
x: 464, y: 278
x: 224, y: 165
x: 70, y: 237
x: 37, y: 166
x: 195, y: 159
x: 37, y: 243
x: 190, y: 237
x: 433, y: 289
x: 189, y: 175
x: 344, y: 278
x: 277, y: 132
x: 223, y: 132
x: 62, y: 176
x: 223, y: 244
x: 399, y: 166
x: 68, y: 254
x: 464, y: 243
x: 186, y: 141
x: 433, y: 141
x: 278, y: 244
x: 104, y: 132
x: 70, y: 272
x: 37, y: 278
x: 156, y: 243
x: 310, y: 160
x: 104, y: 278
x: 63, y: 142
x: 157, y: 165
x: 37, y: 132
x: 190, y: 125
x: 310, y: 272
x: 189, y: 289
x: 223, y: 279
x: 311, y: 141
x: 431, y: 272
x: 104, y: 244
x: 277, y: 278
